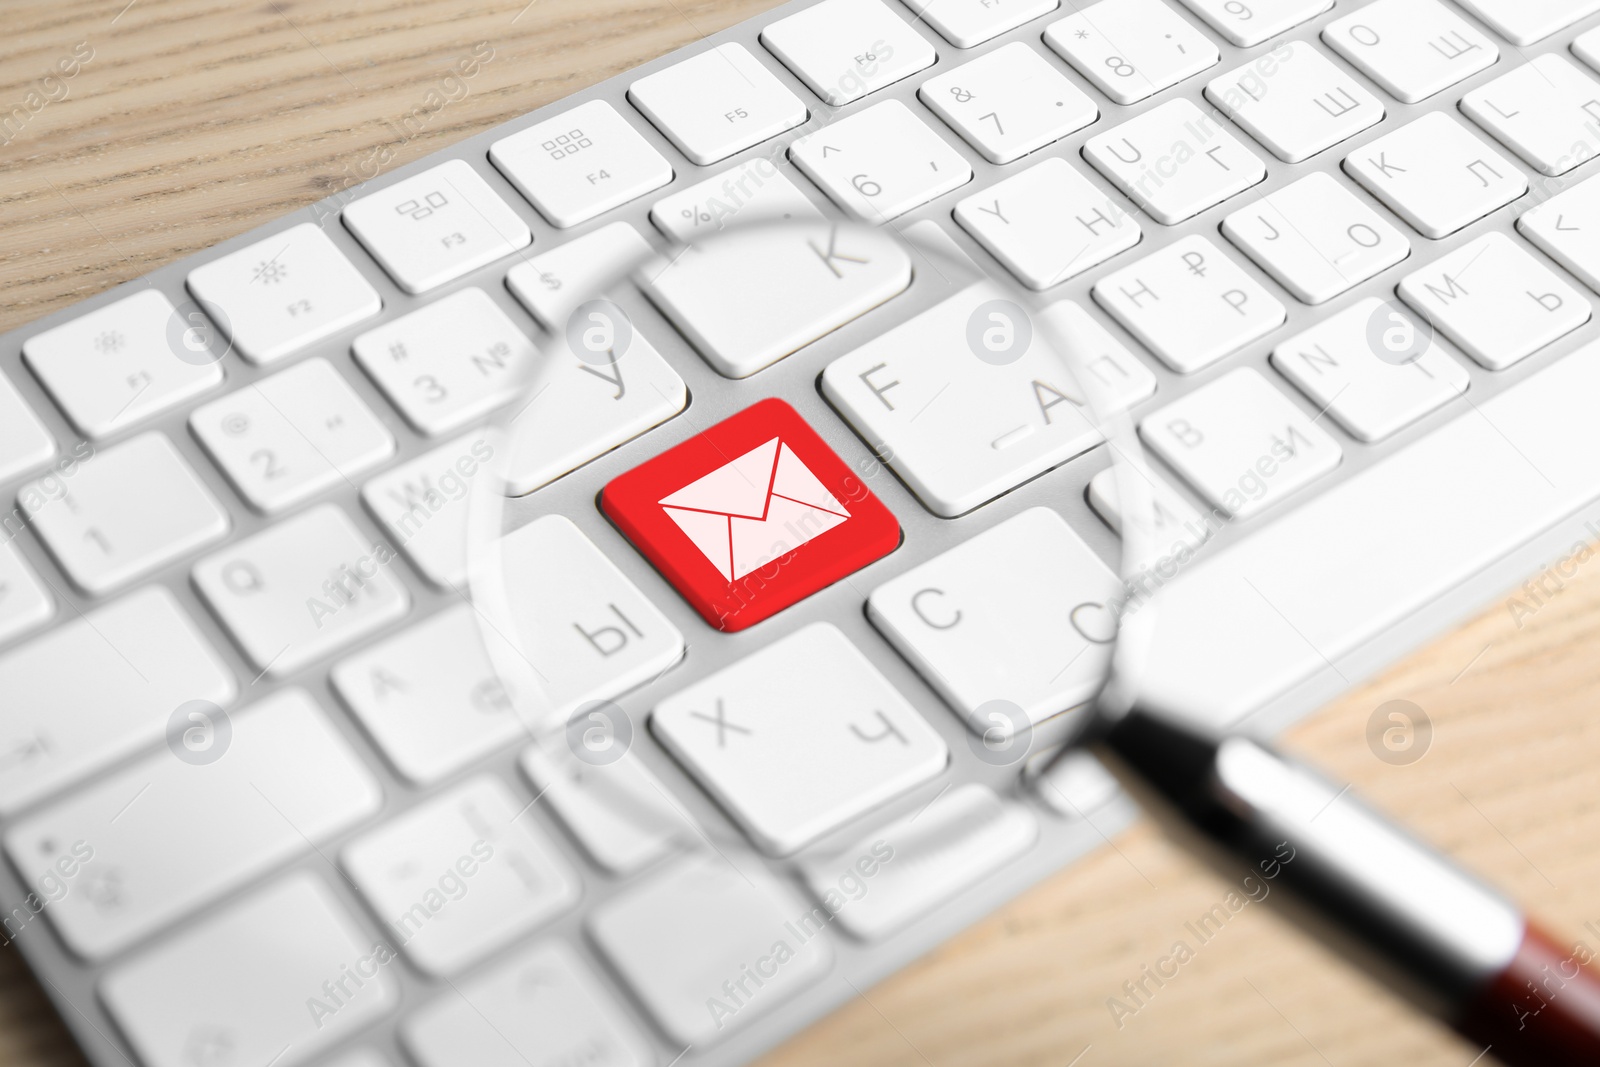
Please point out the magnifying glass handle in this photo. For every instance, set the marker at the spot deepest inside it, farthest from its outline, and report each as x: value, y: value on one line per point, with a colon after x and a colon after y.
x: 1403, y: 912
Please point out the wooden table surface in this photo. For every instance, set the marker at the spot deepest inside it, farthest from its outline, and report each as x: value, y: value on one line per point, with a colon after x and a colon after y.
x: 197, y: 119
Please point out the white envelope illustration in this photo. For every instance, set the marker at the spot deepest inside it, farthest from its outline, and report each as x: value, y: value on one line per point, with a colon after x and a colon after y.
x: 749, y: 512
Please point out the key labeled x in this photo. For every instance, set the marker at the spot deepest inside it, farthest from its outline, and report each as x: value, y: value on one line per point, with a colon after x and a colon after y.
x: 720, y: 721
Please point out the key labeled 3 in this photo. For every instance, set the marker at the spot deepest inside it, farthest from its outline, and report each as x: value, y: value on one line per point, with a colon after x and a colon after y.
x: 799, y: 738
x: 449, y: 363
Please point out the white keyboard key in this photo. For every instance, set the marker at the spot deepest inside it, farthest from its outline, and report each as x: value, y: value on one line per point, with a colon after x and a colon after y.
x: 1546, y: 111
x: 284, y: 439
x: 581, y: 630
x: 359, y: 1058
x: 129, y: 511
x: 1240, y: 442
x: 430, y: 696
x: 1254, y: 619
x: 1523, y: 22
x: 1564, y: 228
x: 1436, y: 175
x: 122, y: 363
x: 1142, y: 158
x: 24, y: 603
x: 717, y: 103
x: 1190, y: 304
x: 811, y: 281
x: 1413, y: 48
x: 1076, y: 785
x: 97, y: 688
x: 880, y: 163
x: 918, y: 862
x: 278, y: 782
x: 1249, y: 22
x: 1018, y: 613
x: 284, y: 292
x: 448, y: 363
x: 500, y: 877
x: 269, y: 980
x: 1308, y: 105
x: 1586, y: 46
x: 1316, y: 238
x: 580, y: 164
x: 434, y: 227
x: 845, y: 49
x: 24, y: 442
x: 682, y: 938
x: 960, y: 430
x: 753, y: 192
x: 1495, y: 300
x: 541, y: 1006
x: 618, y: 811
x: 799, y: 738
x: 1171, y: 520
x: 1131, y: 49
x: 968, y: 23
x: 423, y: 505
x: 300, y: 590
x: 1009, y: 102
x: 1336, y: 365
x: 1048, y: 223
x: 552, y: 283
x: 580, y: 409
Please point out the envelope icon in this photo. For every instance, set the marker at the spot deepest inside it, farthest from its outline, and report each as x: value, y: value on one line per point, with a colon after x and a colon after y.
x: 754, y: 509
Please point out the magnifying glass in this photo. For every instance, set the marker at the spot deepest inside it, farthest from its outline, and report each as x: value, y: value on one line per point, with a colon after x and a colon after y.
x: 1074, y: 684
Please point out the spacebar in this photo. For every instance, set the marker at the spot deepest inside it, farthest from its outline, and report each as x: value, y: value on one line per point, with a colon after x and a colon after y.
x: 1270, y: 611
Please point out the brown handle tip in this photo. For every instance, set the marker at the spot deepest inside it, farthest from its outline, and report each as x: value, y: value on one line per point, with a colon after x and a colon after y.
x: 1543, y: 1010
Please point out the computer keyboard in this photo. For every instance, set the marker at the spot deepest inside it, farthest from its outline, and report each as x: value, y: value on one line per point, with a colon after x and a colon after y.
x: 264, y: 799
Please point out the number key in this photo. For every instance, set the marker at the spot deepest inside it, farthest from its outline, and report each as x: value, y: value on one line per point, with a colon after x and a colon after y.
x: 448, y: 363
x: 1008, y: 103
x: 1249, y: 22
x: 1131, y: 49
x: 291, y: 436
x: 880, y: 163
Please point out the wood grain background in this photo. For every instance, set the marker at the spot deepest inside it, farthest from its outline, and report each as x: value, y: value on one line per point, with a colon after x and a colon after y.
x: 198, y: 119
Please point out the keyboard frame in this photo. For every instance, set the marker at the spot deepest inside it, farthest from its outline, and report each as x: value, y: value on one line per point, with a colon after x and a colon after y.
x: 72, y: 984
